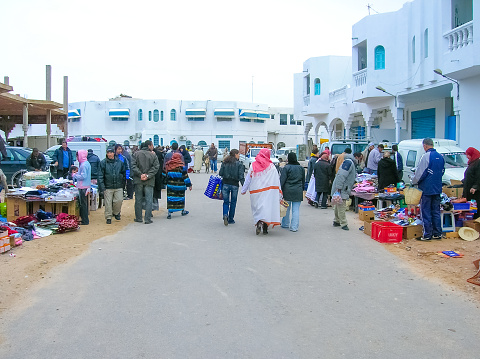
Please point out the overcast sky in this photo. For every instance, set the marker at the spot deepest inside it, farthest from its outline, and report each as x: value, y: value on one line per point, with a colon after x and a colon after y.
x: 180, y: 50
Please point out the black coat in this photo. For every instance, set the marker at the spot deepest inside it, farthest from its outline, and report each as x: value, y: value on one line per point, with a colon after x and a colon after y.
x: 94, y: 161
x: 111, y: 174
x: 387, y: 173
x: 159, y: 180
x: 36, y: 163
x: 323, y: 173
x: 472, y: 180
x: 292, y: 181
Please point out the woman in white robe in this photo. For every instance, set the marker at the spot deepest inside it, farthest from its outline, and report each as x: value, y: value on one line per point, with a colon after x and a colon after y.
x: 198, y: 159
x: 263, y: 182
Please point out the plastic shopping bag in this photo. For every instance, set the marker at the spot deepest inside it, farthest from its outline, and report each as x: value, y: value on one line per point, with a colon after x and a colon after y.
x: 337, y: 198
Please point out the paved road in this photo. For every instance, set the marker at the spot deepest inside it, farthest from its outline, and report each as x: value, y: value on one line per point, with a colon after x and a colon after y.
x: 190, y: 287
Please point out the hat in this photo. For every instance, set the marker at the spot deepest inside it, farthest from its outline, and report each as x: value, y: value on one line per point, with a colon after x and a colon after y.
x: 371, y: 144
x: 468, y: 234
x: 110, y: 149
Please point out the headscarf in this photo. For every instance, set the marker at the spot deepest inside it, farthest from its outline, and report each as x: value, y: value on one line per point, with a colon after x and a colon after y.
x: 82, y: 155
x: 473, y: 153
x: 292, y: 158
x: 262, y: 161
x: 175, y: 161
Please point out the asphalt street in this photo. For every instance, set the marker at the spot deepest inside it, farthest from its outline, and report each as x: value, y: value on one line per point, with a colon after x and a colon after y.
x: 190, y: 287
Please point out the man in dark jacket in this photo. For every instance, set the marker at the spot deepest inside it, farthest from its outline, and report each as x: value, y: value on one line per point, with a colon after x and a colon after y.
x: 387, y: 172
x: 36, y: 161
x: 63, y: 160
x: 311, y: 162
x: 94, y: 161
x: 144, y: 167
x: 212, y: 154
x: 111, y: 180
x: 428, y: 176
x: 397, y: 157
x: 323, y: 175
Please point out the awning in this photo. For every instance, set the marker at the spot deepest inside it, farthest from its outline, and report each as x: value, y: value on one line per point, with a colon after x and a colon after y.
x: 195, y: 112
x: 263, y: 115
x: 224, y: 112
x: 74, y: 113
x: 247, y: 114
x: 119, y: 112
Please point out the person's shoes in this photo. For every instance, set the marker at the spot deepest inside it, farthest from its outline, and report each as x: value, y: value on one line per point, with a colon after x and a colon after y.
x: 148, y: 222
x: 117, y: 217
x: 336, y: 224
x: 294, y: 230
x: 231, y: 221
x: 285, y: 227
x: 258, y: 229
x: 109, y: 221
x: 437, y: 237
x: 323, y: 207
x: 83, y: 224
x: 169, y: 216
x: 184, y: 213
x: 138, y: 220
x: 422, y: 238
x: 225, y: 220
x: 265, y: 228
x: 345, y: 228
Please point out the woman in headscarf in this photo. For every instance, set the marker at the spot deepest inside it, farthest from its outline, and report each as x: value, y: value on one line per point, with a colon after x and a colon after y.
x: 471, y: 182
x: 177, y: 183
x: 265, y: 194
x: 292, y: 181
x: 198, y: 159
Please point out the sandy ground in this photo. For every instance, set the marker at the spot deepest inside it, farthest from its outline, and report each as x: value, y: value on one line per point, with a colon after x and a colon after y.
x: 36, y: 259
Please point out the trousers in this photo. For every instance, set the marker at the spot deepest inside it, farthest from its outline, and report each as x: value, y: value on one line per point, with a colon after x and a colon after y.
x: 113, y: 199
x: 143, y: 191
x: 295, y: 222
x: 83, y: 204
x: 230, y: 194
x: 340, y: 213
x: 430, y: 210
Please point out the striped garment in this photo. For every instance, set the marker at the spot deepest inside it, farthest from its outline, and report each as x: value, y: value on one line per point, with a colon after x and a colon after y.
x: 177, y: 183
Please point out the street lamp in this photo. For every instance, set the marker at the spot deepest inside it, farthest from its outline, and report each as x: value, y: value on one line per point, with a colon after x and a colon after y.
x: 380, y: 88
x: 439, y: 72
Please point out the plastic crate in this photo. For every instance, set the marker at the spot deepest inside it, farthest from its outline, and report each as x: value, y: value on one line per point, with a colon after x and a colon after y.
x: 387, y: 232
x: 461, y: 206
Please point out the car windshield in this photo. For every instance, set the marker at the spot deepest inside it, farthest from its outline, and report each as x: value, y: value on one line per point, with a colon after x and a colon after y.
x: 254, y: 152
x: 280, y: 152
x: 455, y: 160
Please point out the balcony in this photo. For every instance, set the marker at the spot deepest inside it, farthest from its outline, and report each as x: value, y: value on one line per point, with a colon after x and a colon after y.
x: 338, y: 95
x: 460, y: 37
x: 360, y: 77
x: 306, y: 100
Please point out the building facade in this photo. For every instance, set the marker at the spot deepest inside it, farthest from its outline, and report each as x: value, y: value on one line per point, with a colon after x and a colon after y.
x: 393, y: 88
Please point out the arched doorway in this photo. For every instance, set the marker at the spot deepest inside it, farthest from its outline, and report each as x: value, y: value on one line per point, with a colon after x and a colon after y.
x: 337, y: 128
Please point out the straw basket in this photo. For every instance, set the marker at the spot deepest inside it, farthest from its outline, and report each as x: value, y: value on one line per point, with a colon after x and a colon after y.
x: 283, y: 208
x: 412, y: 195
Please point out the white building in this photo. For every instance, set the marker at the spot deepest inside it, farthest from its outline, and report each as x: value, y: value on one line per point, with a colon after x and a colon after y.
x: 225, y: 123
x: 390, y: 91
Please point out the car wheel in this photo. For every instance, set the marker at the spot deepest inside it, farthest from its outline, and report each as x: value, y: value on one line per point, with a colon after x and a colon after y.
x: 17, y: 178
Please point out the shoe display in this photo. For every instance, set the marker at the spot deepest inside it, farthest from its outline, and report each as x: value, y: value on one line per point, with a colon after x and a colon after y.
x: 336, y: 224
x: 109, y: 221
x: 225, y: 220
x: 117, y: 217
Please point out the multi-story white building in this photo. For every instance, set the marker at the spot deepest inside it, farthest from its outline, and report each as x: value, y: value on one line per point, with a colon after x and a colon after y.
x: 392, y: 88
x: 225, y: 123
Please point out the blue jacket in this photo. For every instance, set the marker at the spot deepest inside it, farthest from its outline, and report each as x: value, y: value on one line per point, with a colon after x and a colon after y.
x: 429, y: 173
x: 397, y: 157
x: 58, y: 157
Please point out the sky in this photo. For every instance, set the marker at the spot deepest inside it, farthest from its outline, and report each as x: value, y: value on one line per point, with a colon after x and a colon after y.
x: 178, y: 50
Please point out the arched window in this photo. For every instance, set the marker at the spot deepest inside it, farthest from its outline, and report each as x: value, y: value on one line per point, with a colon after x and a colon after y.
x: 155, y: 140
x: 379, y: 58
x: 161, y: 115
x: 317, y: 86
x: 156, y: 116
x: 140, y: 115
x: 172, y: 142
x: 126, y: 143
x: 413, y: 49
x: 188, y: 144
x: 173, y: 115
x: 202, y: 143
x: 112, y: 143
x: 149, y: 115
x: 425, y: 43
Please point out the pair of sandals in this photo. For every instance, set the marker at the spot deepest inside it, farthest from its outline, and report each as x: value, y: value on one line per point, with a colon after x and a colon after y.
x: 184, y: 213
x: 261, y: 226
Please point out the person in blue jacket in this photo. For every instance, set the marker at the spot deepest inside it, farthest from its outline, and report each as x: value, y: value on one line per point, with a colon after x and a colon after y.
x: 397, y: 157
x: 428, y: 176
x: 119, y: 154
x: 63, y: 160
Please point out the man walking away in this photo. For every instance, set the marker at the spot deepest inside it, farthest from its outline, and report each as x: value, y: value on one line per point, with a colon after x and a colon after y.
x: 343, y: 183
x: 94, y: 161
x: 36, y: 161
x: 373, y: 159
x: 428, y: 176
x: 397, y: 157
x: 83, y: 178
x: 111, y: 181
x: 144, y: 167
x: 311, y: 163
x: 212, y: 154
x: 63, y: 160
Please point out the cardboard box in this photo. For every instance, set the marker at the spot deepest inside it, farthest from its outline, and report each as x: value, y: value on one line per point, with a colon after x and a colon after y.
x: 472, y: 224
x: 453, y: 192
x: 367, y: 228
x: 368, y: 215
x: 16, y: 207
x: 452, y: 235
x: 411, y: 232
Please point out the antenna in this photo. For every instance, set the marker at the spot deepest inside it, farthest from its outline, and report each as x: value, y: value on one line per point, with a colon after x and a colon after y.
x: 370, y: 7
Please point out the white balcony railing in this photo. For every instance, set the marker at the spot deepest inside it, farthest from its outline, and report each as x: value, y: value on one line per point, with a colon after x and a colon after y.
x: 360, y: 77
x: 459, y: 37
x: 338, y: 95
x: 306, y: 100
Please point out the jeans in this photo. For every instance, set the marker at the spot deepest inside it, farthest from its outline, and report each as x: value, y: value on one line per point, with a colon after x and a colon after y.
x: 213, y: 165
x: 143, y: 191
x: 83, y: 204
x: 293, y: 225
x: 432, y: 223
x: 230, y: 193
x: 324, y: 198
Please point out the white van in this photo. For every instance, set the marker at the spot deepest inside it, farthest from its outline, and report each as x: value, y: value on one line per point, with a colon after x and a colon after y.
x: 99, y: 148
x: 283, y: 152
x: 455, y: 158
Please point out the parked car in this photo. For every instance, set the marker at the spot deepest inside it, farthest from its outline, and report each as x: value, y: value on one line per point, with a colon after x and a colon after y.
x: 14, y: 165
x: 283, y: 152
x: 338, y: 146
x: 252, y: 153
x: 455, y: 158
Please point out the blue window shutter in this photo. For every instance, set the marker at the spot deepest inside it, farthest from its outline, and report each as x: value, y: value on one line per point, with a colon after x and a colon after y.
x: 379, y: 58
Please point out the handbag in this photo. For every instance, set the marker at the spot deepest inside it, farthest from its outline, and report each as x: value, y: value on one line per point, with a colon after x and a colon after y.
x: 283, y: 208
x: 214, y: 188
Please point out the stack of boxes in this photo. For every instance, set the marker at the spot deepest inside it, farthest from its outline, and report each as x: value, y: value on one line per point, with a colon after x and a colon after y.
x: 4, y: 242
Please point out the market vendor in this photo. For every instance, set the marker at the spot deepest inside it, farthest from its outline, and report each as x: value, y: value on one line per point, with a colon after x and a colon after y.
x: 63, y: 160
x: 471, y: 182
x: 36, y: 161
